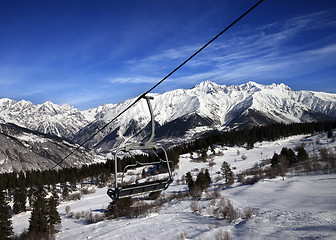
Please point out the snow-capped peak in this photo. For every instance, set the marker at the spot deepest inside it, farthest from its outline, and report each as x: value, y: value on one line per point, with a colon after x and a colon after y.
x: 61, y: 120
x: 206, y: 86
x: 217, y: 104
x: 211, y: 87
x: 251, y: 84
x: 5, y: 101
x: 48, y: 103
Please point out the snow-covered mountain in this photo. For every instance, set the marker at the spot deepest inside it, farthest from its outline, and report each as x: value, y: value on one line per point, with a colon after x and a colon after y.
x: 59, y: 120
x: 22, y: 149
x: 179, y: 114
x: 207, y: 106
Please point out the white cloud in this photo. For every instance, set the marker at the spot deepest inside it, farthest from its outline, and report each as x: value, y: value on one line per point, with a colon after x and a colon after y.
x: 269, y: 52
x: 265, y: 54
x: 137, y: 79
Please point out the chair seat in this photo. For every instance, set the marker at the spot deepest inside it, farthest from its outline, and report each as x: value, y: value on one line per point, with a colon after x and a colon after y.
x: 137, y: 189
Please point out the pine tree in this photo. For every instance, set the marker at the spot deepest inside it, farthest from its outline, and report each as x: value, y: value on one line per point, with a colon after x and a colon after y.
x: 6, y: 229
x: 207, y: 178
x: 227, y: 173
x: 302, y: 155
x: 289, y: 154
x: 203, y: 180
x: 30, y: 195
x: 54, y: 217
x: 204, y: 154
x: 330, y: 133
x: 143, y: 174
x: 20, y: 197
x: 200, y: 180
x: 65, y: 192
x: 38, y: 223
x: 189, y: 181
x: 275, y: 160
x: 121, y: 208
x: 20, y: 194
x: 21, y: 180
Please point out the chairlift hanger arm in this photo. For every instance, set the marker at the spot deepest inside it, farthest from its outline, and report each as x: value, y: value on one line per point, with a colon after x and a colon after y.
x: 148, y: 98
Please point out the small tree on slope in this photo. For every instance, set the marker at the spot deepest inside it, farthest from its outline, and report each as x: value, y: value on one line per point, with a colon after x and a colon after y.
x: 38, y: 223
x: 6, y: 229
x: 227, y: 173
x: 54, y: 217
x: 20, y: 197
x: 203, y: 180
x: 189, y: 181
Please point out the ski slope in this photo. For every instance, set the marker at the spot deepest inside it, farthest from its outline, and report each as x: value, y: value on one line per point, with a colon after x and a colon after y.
x: 299, y: 207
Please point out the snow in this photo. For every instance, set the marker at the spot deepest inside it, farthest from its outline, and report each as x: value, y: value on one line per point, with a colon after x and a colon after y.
x: 171, y: 221
x: 298, y: 207
x: 61, y: 120
x: 2, y: 161
x: 31, y: 138
x: 220, y: 103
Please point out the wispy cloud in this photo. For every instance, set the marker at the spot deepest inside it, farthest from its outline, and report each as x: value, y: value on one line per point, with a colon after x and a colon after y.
x: 137, y: 79
x: 268, y: 52
x: 80, y: 100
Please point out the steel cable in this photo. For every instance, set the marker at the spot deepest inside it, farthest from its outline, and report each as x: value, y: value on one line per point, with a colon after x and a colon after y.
x: 157, y: 84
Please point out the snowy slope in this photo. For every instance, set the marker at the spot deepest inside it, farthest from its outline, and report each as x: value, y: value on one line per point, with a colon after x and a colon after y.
x: 297, y: 208
x: 300, y: 207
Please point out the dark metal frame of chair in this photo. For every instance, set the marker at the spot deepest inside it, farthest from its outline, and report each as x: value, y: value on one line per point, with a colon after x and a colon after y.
x: 124, y: 191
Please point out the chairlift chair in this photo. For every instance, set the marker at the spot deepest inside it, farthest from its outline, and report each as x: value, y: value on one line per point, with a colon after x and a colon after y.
x: 123, y: 191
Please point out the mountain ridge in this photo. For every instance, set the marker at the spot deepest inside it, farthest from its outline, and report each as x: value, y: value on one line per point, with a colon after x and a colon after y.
x: 215, y: 106
x: 207, y: 104
x: 23, y: 149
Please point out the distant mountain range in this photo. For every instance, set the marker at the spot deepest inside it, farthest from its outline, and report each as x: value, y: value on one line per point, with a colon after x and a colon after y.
x: 49, y: 118
x: 180, y: 114
x: 183, y: 114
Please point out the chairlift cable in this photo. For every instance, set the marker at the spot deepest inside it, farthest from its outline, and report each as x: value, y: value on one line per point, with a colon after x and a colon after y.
x: 157, y: 84
x: 204, y: 46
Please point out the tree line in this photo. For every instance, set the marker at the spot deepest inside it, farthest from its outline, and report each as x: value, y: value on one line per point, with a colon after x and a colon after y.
x: 23, y: 185
x: 99, y: 171
x: 250, y: 136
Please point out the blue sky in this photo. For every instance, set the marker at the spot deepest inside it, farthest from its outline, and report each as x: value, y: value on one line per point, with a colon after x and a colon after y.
x: 86, y: 53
